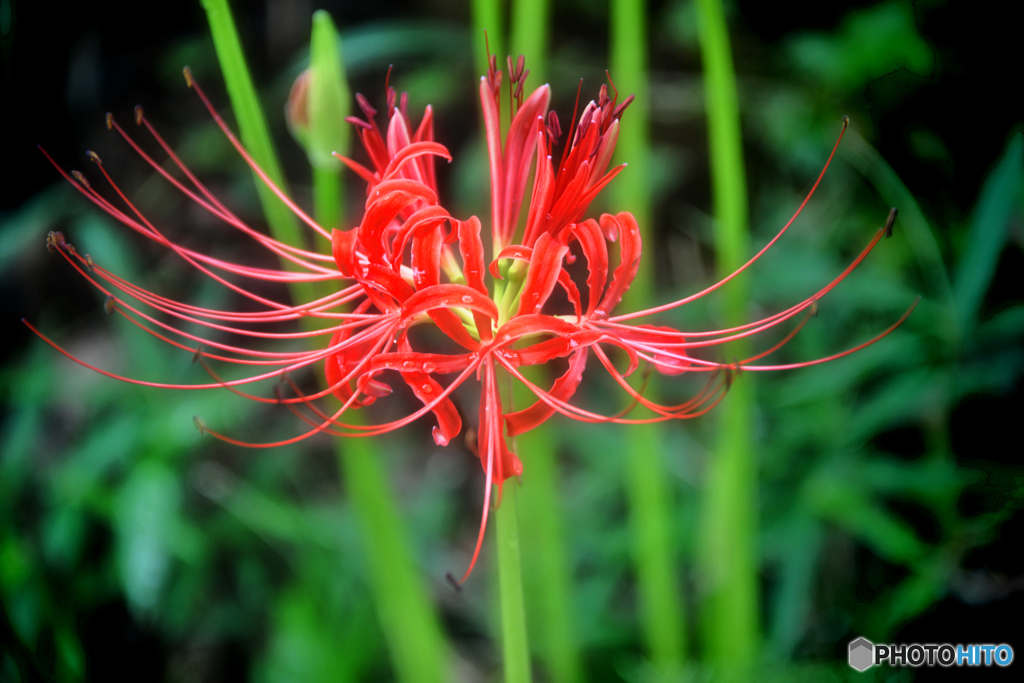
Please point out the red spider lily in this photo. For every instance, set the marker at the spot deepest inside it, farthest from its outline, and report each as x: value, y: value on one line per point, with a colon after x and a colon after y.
x: 409, y: 262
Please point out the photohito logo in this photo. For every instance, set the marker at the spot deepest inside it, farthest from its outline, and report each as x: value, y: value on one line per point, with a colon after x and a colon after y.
x: 863, y: 654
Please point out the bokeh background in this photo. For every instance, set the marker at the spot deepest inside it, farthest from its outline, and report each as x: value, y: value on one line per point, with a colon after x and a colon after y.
x: 889, y: 484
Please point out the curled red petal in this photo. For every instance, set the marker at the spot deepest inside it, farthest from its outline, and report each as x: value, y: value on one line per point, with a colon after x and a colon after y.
x: 431, y: 363
x: 562, y: 390
x: 412, y: 151
x: 536, y: 323
x: 427, y: 241
x: 424, y: 219
x: 447, y: 296
x: 386, y: 281
x: 557, y: 347
x: 592, y: 241
x: 628, y: 231
x: 426, y: 389
x: 343, y: 247
x: 545, y: 267
x: 513, y: 251
x: 471, y: 247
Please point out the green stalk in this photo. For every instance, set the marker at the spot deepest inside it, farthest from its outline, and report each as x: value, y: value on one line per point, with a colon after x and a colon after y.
x: 647, y: 490
x: 546, y: 567
x: 728, y: 549
x: 514, y: 643
x: 407, y: 618
x: 328, y: 203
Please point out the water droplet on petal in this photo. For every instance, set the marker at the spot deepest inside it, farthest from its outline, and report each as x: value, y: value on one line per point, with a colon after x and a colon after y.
x: 467, y: 299
x: 426, y: 388
x: 408, y: 365
x: 428, y: 367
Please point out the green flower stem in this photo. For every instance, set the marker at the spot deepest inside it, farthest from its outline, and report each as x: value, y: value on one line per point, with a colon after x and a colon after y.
x: 328, y: 203
x: 514, y: 643
x: 647, y: 490
x: 406, y: 615
x: 546, y: 567
x: 728, y: 548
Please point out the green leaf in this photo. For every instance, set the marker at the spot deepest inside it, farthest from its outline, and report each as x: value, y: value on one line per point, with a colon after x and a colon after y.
x: 253, y: 129
x: 988, y: 232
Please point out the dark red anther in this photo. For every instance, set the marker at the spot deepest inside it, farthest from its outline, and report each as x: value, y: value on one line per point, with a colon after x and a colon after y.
x: 138, y: 114
x: 581, y: 131
x: 615, y: 91
x: 391, y: 97
x: 890, y: 221
x: 519, y: 87
x: 368, y: 110
x: 617, y: 114
x: 81, y: 178
x: 554, y: 128
x: 54, y: 240
x: 356, y: 121
x: 110, y: 121
x: 110, y: 305
x: 453, y: 582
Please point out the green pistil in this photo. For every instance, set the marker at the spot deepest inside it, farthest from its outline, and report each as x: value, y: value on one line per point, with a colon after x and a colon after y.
x: 515, y: 276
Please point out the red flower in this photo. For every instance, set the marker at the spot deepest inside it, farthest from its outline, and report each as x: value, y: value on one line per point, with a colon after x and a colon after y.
x: 409, y: 263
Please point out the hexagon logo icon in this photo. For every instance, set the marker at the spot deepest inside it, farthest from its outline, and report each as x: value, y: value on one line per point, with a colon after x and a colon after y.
x: 862, y: 654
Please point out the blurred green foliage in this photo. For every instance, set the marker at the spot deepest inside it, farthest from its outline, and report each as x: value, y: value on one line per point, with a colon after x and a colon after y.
x: 120, y: 528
